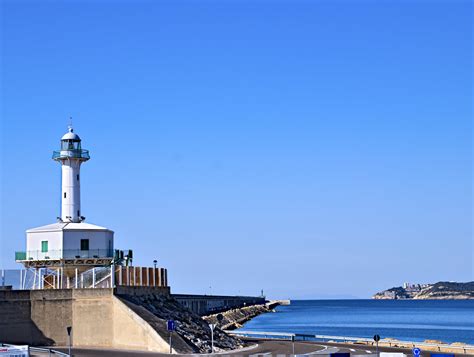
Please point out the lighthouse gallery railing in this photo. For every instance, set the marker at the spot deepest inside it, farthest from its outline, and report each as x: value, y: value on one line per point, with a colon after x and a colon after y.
x: 64, y: 254
x: 75, y: 154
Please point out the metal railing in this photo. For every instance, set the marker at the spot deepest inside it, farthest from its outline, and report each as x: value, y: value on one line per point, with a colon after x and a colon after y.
x: 326, y: 338
x: 54, y: 277
x: 64, y: 254
x: 49, y: 351
x: 74, y: 154
x: 28, y: 349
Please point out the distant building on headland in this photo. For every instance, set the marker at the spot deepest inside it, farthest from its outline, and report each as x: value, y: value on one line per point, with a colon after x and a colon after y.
x: 414, y: 287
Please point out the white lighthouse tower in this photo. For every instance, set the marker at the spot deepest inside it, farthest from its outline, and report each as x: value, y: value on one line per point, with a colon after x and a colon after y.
x: 70, y: 243
x: 71, y: 156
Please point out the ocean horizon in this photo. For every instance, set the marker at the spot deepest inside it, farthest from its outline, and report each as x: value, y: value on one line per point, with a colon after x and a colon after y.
x: 408, y: 320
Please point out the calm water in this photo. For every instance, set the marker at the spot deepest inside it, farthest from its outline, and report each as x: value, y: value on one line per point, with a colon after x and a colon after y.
x: 413, y: 320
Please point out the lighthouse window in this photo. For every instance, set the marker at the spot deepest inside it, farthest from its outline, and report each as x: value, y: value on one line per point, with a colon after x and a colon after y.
x: 44, y: 246
x: 84, y: 244
x: 77, y: 177
x: 64, y: 194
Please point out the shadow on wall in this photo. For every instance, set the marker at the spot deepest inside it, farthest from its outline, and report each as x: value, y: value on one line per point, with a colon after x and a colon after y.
x: 16, y: 325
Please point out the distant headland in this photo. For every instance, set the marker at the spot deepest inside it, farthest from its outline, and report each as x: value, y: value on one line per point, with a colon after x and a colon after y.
x: 442, y: 290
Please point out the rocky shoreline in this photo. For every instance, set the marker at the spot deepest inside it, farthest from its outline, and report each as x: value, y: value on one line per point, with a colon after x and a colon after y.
x: 438, y: 291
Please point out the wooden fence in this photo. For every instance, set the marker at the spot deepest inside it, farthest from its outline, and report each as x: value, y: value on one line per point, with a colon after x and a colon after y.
x: 140, y: 276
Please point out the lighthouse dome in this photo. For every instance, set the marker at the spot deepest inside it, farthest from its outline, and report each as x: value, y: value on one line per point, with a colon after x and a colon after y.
x: 71, y: 135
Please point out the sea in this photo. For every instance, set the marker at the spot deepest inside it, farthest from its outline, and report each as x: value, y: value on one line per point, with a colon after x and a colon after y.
x: 408, y: 320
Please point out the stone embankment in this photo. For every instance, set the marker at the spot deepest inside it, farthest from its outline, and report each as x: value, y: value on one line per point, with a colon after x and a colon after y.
x: 235, y: 318
x: 193, y: 334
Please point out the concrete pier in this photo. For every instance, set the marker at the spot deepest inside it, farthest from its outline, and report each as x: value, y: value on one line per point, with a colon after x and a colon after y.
x: 209, y: 304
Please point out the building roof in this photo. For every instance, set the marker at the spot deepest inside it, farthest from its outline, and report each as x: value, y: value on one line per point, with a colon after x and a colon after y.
x: 71, y: 135
x: 65, y: 226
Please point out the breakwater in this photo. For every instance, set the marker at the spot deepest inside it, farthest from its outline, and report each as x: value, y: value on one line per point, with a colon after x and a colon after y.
x: 211, y: 304
x: 235, y: 318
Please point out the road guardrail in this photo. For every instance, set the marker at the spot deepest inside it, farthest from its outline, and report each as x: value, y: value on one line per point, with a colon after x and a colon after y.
x: 327, y: 338
x: 25, y: 350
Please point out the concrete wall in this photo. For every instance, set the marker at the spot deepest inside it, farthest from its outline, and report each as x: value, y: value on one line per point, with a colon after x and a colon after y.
x: 33, y: 244
x: 208, y: 304
x: 142, y: 290
x: 103, y: 240
x: 131, y: 331
x: 98, y: 318
x: 16, y: 324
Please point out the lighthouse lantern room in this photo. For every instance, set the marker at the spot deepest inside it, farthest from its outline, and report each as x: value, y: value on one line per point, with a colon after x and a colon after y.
x: 70, y: 242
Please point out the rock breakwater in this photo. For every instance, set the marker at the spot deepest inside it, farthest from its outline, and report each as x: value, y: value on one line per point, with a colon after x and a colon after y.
x: 235, y: 318
x: 193, y: 334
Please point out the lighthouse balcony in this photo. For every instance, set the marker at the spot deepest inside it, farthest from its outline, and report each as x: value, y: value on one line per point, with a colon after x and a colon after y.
x: 71, y: 154
x: 63, y: 254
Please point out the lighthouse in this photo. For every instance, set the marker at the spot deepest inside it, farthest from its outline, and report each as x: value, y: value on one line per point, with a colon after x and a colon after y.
x: 71, y: 156
x: 70, y: 243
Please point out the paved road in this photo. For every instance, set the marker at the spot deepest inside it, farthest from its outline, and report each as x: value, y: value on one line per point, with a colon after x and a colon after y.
x: 264, y: 348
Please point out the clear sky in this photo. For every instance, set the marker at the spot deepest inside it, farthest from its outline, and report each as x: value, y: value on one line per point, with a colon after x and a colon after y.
x: 308, y: 148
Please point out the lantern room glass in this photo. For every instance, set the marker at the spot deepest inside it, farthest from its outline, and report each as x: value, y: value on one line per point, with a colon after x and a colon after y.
x: 70, y: 145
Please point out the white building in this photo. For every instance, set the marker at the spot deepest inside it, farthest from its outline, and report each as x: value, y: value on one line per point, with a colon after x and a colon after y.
x: 69, y: 243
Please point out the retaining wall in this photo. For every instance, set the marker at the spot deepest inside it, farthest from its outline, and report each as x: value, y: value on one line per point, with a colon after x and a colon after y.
x: 40, y: 317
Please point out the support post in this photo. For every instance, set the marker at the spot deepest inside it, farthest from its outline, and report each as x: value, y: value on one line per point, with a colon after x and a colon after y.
x: 21, y: 279
x: 293, y: 344
x: 112, y: 276
x: 120, y: 275
x: 93, y: 278
x: 75, y: 285
x: 34, y: 279
x: 212, y: 338
x: 171, y: 348
x: 69, y: 331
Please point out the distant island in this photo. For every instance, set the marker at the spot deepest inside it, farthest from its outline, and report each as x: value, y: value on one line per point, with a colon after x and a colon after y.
x: 442, y: 290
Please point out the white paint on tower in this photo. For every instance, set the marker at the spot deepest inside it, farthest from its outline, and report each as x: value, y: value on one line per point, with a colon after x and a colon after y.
x: 71, y: 156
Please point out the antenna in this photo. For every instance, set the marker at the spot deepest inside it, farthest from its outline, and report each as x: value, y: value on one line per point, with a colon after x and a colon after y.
x: 70, y: 124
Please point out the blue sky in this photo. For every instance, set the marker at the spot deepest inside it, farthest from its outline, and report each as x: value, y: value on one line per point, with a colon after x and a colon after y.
x: 308, y: 148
